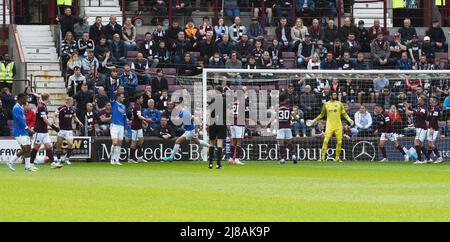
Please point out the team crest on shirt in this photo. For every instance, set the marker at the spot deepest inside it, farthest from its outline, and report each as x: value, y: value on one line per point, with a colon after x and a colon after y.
x: 121, y: 109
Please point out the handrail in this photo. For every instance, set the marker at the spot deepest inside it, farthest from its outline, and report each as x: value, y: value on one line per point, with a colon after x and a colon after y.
x: 18, y: 44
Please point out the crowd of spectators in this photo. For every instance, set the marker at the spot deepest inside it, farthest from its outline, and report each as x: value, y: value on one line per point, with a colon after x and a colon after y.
x: 98, y: 63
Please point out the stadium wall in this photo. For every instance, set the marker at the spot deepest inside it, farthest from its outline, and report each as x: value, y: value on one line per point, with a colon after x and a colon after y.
x: 265, y: 149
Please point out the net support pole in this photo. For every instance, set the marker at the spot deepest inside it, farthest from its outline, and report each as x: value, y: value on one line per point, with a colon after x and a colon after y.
x: 205, y: 103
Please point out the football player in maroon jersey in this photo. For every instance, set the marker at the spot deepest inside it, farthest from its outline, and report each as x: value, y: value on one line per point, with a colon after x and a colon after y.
x: 434, y: 116
x: 42, y: 137
x: 284, y: 133
x: 64, y: 116
x: 386, y: 129
x: 420, y: 122
x: 137, y: 133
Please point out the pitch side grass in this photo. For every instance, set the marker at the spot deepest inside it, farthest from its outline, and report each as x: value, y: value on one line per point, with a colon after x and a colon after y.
x: 258, y: 191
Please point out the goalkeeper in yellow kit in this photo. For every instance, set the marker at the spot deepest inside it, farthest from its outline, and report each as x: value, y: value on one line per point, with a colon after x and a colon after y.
x: 333, y: 110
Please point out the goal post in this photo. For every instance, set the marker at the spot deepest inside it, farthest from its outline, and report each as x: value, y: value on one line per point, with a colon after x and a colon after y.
x: 367, y: 87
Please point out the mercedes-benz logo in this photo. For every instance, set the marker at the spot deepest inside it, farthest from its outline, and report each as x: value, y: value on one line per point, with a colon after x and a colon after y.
x: 364, y: 150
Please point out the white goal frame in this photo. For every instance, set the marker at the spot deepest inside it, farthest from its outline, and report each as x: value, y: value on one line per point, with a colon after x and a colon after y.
x: 207, y: 71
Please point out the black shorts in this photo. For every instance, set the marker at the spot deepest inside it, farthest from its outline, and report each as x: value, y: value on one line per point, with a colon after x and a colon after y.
x: 218, y: 132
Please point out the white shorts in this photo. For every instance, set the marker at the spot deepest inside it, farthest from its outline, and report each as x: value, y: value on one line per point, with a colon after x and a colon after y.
x: 66, y: 134
x: 137, y: 134
x: 189, y: 135
x: 41, y: 139
x: 23, y: 140
x: 432, y: 136
x: 388, y: 136
x: 284, y: 134
x: 117, y: 132
x: 237, y: 132
x: 421, y: 134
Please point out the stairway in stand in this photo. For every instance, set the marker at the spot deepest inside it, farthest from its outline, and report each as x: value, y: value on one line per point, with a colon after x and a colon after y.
x: 39, y: 48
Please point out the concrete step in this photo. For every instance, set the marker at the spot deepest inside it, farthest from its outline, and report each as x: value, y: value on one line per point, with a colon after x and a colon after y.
x: 40, y: 33
x: 45, y: 73
x: 51, y: 90
x: 50, y: 85
x: 95, y: 3
x: 50, y: 79
x: 33, y: 27
x: 43, y: 67
x: 43, y: 50
x: 35, y: 39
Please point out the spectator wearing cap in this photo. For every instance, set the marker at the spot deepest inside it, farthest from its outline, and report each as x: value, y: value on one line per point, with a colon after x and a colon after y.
x: 437, y: 36
x: 351, y: 45
x: 407, y: 31
x: 237, y: 30
x: 283, y: 35
x: 375, y: 29
x: 329, y: 34
x: 363, y: 37
x: 255, y: 29
x: 414, y: 49
x: 305, y: 51
x: 348, y: 28
x: 298, y: 32
x: 321, y: 50
x: 428, y: 49
x: 397, y: 47
x: 379, y: 49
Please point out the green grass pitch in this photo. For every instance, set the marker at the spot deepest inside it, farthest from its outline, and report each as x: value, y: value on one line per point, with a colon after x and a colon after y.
x: 258, y: 191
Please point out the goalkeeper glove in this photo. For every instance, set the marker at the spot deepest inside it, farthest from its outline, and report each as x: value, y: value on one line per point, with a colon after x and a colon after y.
x: 351, y: 122
x: 55, y: 128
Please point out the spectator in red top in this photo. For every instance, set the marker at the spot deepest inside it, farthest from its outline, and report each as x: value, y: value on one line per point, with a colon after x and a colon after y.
x: 396, y: 118
x: 30, y: 116
x: 412, y: 84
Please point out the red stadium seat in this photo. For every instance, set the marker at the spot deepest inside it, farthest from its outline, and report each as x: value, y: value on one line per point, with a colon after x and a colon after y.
x: 131, y: 54
x: 289, y: 64
x: 288, y: 55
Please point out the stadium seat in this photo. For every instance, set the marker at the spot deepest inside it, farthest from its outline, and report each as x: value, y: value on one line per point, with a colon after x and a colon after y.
x: 390, y: 38
x: 195, y: 55
x: 288, y: 55
x: 442, y: 55
x: 140, y: 38
x: 131, y: 54
x: 289, y: 63
x: 140, y: 88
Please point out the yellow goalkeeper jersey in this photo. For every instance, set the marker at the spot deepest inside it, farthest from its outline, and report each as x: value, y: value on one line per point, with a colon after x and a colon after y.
x: 333, y: 110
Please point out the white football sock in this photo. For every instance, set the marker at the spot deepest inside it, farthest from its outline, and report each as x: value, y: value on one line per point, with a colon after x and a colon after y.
x: 203, y: 143
x: 27, y: 162
x: 14, y: 159
x: 175, y: 150
x: 117, y: 153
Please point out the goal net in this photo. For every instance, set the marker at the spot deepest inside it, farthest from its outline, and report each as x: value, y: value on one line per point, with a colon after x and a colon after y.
x: 258, y: 92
